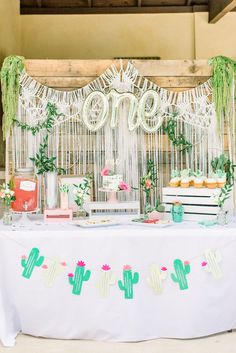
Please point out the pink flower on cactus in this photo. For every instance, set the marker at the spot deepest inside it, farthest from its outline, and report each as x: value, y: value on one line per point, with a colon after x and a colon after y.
x: 204, y: 263
x: 105, y: 171
x: 24, y: 257
x: 186, y: 262
x: 70, y: 275
x: 44, y: 267
x: 127, y: 268
x: 148, y: 184
x: 80, y: 263
x: 124, y: 186
x: 106, y: 267
x: 63, y: 263
x: 164, y: 268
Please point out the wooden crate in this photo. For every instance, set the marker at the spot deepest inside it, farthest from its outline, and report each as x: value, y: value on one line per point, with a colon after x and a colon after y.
x: 198, y: 203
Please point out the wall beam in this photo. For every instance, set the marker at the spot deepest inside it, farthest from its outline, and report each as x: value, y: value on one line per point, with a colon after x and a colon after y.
x: 219, y: 8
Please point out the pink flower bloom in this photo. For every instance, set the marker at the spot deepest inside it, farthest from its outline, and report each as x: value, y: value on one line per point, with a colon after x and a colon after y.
x: 24, y: 257
x: 204, y: 263
x: 80, y: 263
x: 70, y: 275
x: 105, y: 171
x: 127, y: 268
x: 124, y: 186
x: 186, y: 262
x: 148, y: 184
x: 44, y: 267
x: 63, y: 263
x: 164, y: 268
x: 106, y: 267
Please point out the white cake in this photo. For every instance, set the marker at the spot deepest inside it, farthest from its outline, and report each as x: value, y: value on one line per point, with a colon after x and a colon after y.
x: 111, y: 182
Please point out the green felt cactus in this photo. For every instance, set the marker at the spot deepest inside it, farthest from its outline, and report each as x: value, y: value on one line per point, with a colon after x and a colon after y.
x: 181, y: 270
x: 77, y: 279
x: 29, y: 263
x: 129, y: 280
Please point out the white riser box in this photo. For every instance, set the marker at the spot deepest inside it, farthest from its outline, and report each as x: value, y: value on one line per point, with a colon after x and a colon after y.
x: 198, y: 203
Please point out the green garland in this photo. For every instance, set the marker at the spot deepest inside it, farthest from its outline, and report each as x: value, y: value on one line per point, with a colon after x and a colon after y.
x: 177, y: 141
x: 224, y: 71
x: 46, y: 124
x: 10, y: 74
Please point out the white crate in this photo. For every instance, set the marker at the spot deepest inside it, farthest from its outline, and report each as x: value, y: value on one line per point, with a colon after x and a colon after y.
x: 198, y: 203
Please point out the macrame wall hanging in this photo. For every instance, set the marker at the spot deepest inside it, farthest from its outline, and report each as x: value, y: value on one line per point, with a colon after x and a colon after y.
x: 80, y: 148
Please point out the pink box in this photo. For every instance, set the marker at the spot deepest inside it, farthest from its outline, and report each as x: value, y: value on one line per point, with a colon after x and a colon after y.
x: 58, y: 215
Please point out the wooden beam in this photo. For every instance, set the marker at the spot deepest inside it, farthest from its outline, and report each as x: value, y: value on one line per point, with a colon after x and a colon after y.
x: 111, y: 10
x: 39, y: 3
x: 219, y: 8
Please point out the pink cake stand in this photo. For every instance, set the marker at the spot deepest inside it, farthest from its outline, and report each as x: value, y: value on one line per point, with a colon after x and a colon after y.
x: 111, y: 195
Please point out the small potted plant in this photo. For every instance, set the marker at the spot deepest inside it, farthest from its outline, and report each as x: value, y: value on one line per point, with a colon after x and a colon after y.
x: 81, y: 192
x: 64, y: 199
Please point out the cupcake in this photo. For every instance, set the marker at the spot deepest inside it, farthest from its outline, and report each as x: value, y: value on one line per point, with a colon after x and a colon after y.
x: 191, y: 178
x: 175, y: 178
x: 198, y: 179
x: 211, y: 183
x: 185, y: 179
x: 221, y: 178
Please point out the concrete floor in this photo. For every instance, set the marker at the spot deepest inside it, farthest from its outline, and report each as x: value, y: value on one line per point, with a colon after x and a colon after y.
x: 221, y: 343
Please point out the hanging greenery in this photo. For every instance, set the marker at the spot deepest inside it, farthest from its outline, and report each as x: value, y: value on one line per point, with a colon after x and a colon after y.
x: 177, y: 141
x: 224, y: 70
x: 10, y: 73
x: 47, y: 124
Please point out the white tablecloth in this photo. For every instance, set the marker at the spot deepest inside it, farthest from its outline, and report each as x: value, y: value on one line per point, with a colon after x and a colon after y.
x: 26, y: 305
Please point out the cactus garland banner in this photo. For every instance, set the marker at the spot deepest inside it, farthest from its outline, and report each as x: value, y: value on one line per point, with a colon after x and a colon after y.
x: 156, y: 278
x: 30, y: 262
x: 107, y: 278
x: 182, y: 269
x: 52, y: 269
x: 129, y: 279
x: 81, y: 275
x: 213, y: 258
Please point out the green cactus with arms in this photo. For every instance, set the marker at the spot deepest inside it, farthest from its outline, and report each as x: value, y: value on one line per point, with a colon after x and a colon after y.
x: 129, y: 281
x: 29, y: 263
x: 77, y: 279
x: 181, y: 270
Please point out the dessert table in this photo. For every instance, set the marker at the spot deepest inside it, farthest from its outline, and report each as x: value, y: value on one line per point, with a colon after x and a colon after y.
x: 47, y: 304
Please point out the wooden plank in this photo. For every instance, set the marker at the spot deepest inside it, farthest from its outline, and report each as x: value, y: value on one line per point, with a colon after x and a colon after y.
x: 77, y: 82
x: 110, y: 10
x: 189, y: 200
x: 188, y: 191
x: 196, y: 209
x: 219, y: 8
x: 88, y: 68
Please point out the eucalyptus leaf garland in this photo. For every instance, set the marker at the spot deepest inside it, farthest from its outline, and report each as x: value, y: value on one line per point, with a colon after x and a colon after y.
x: 47, y: 124
x: 10, y: 79
x: 177, y: 141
